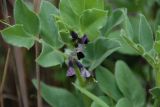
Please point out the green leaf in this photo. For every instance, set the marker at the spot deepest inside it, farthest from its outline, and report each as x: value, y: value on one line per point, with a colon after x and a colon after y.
x: 16, y: 35
x: 78, y: 6
x: 91, y: 21
x: 129, y: 85
x: 157, y: 37
x: 105, y: 99
x: 107, y: 83
x: 115, y: 19
x: 157, y: 21
x: 91, y: 96
x: 124, y: 48
x: 157, y: 46
x: 68, y: 15
x: 155, y: 92
x: 57, y: 97
x: 26, y: 17
x: 128, y: 27
x: 145, y: 33
x: 124, y: 102
x: 49, y: 31
x: 49, y: 56
x: 98, y: 4
x: 97, y: 51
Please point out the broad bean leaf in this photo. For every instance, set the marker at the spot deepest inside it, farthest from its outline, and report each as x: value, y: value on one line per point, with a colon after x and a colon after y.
x: 17, y: 36
x: 157, y: 38
x: 128, y: 26
x: 105, y: 99
x: 91, y: 21
x: 68, y: 15
x: 97, y: 100
x: 98, y: 4
x: 124, y: 102
x: 107, y: 83
x: 49, y: 56
x: 57, y: 97
x: 129, y: 85
x: 125, y: 48
x: 79, y: 6
x: 114, y: 19
x: 157, y: 21
x: 97, y: 51
x: 155, y: 92
x: 49, y: 31
x: 145, y: 33
x: 24, y: 16
x: 157, y: 46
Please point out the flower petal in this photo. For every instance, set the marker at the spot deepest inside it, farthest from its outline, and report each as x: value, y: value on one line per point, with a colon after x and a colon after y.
x: 85, y: 73
x: 70, y: 72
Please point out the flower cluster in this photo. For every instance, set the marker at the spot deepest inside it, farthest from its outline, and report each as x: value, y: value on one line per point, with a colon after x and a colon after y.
x: 79, y: 47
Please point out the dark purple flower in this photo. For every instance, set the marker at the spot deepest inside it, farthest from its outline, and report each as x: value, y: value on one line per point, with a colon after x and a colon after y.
x: 84, y: 39
x: 74, y: 35
x: 85, y: 73
x: 70, y: 63
x: 79, y: 51
x: 80, y: 55
x: 80, y: 66
x: 70, y: 72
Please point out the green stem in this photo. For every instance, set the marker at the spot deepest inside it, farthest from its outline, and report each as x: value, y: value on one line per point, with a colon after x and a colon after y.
x: 156, y: 103
x: 82, y: 84
x: 79, y: 77
x: 158, y: 77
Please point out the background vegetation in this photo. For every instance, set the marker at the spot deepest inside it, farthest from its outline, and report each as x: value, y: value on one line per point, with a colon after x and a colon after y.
x: 17, y: 85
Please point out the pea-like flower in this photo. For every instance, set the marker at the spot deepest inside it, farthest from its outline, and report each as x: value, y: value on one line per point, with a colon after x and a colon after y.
x: 84, y: 72
x: 79, y: 51
x: 70, y: 71
x: 74, y: 35
x: 84, y: 39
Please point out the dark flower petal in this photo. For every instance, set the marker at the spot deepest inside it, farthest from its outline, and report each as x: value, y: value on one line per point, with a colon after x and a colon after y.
x: 74, y: 35
x: 84, y: 39
x: 80, y: 66
x: 70, y: 72
x: 80, y: 55
x: 70, y: 63
x: 85, y: 73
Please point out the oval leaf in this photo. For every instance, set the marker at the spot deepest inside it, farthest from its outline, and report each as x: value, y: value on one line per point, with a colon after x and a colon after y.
x: 57, y: 97
x: 129, y: 85
x: 49, y: 31
x: 97, y: 51
x: 124, y: 102
x: 24, y: 16
x: 107, y: 83
x: 98, y: 4
x: 49, y: 56
x: 145, y: 33
x: 15, y: 35
x: 91, y: 21
x: 115, y: 19
x: 68, y: 15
